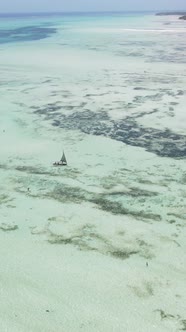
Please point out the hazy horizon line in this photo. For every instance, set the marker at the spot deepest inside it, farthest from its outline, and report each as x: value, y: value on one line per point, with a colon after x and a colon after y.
x: 94, y: 12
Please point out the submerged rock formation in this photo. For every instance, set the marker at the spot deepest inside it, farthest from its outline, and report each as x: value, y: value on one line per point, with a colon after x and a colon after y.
x: 171, y: 13
x: 182, y: 17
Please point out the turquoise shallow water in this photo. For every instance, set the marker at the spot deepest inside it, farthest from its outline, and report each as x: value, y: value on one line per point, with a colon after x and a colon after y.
x: 104, y: 50
x: 102, y: 240
x: 115, y: 34
x: 32, y: 27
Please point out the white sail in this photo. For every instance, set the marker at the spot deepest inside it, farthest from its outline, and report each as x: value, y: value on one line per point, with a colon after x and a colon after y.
x: 63, y: 159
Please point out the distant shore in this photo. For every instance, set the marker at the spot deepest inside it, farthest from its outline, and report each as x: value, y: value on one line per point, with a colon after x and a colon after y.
x: 182, y: 15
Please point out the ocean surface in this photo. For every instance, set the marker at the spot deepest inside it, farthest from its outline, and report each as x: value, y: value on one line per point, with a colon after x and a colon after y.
x: 102, y: 240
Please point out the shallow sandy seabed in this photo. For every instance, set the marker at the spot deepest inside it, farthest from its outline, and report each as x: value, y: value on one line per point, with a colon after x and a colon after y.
x: 98, y: 245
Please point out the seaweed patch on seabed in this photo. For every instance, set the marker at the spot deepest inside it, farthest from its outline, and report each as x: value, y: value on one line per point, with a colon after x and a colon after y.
x: 28, y: 33
x: 67, y: 194
x: 86, y: 238
x: 34, y: 170
x: 8, y: 227
x: 164, y: 143
x: 71, y: 173
x: 122, y: 254
x: 3, y: 166
x: 97, y: 244
x: 177, y: 318
x: 5, y: 199
x: 72, y: 194
x: 133, y: 192
x: 144, y: 291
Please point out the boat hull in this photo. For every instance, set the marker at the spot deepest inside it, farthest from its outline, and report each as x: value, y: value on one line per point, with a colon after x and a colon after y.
x: 59, y: 164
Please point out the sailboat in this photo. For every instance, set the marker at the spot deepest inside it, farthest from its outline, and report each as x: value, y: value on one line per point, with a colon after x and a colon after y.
x: 62, y: 162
